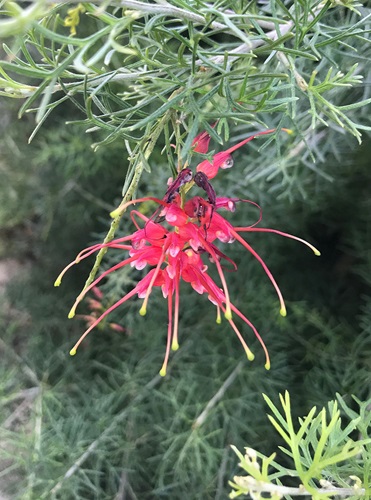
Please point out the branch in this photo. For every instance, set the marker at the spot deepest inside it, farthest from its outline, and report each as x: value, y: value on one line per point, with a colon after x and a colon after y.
x: 130, y: 191
x: 115, y: 421
x: 21, y: 362
x: 163, y: 8
x: 118, y: 419
x: 119, y: 75
x: 244, y: 48
x: 217, y: 397
x: 254, y: 486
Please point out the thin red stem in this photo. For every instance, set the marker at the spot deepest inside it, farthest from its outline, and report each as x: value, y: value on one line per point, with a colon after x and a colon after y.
x: 248, y: 139
x: 143, y: 309
x: 257, y: 334
x: 122, y: 207
x: 175, y: 342
x: 169, y: 334
x: 103, y: 315
x: 213, y: 254
x: 281, y: 233
x: 266, y: 269
x: 249, y: 354
x: 97, y: 280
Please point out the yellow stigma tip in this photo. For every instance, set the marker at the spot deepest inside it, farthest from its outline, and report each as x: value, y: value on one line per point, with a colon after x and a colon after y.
x: 219, y: 320
x: 250, y: 356
x: 73, y: 351
x: 283, y: 312
x: 288, y: 131
x: 115, y: 213
x: 143, y: 311
x: 163, y: 372
x: 58, y: 281
x: 71, y: 314
x: 267, y: 366
x: 174, y: 346
x: 317, y: 252
x: 228, y: 315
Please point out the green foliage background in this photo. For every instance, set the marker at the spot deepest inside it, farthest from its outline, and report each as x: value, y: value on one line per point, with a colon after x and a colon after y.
x: 103, y: 424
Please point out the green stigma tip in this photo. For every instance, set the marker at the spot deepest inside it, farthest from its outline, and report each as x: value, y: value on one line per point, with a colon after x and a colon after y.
x: 228, y: 315
x: 317, y: 252
x: 73, y: 351
x: 115, y: 213
x: 174, y: 346
x: 250, y: 356
x: 283, y: 312
x: 163, y: 372
x: 143, y: 311
x: 267, y: 366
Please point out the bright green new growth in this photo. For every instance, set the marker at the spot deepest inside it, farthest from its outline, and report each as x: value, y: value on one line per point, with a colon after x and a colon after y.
x: 322, y: 455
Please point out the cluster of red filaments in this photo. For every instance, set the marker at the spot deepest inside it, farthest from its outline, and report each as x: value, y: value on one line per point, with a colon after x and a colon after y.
x: 174, y: 243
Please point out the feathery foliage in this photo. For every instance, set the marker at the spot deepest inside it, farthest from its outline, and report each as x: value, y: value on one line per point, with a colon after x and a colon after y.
x: 112, y: 95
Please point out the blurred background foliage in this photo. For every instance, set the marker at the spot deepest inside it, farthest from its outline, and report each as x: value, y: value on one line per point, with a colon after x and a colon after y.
x: 104, y: 425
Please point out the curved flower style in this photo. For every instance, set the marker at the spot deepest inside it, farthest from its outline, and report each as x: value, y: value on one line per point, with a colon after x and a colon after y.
x: 224, y: 159
x: 173, y: 242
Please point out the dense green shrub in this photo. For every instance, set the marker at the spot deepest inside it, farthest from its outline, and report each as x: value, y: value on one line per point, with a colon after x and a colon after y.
x: 119, y: 102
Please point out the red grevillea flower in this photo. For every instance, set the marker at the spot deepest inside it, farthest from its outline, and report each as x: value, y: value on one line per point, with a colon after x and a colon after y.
x: 200, y: 143
x: 224, y: 159
x: 173, y: 244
